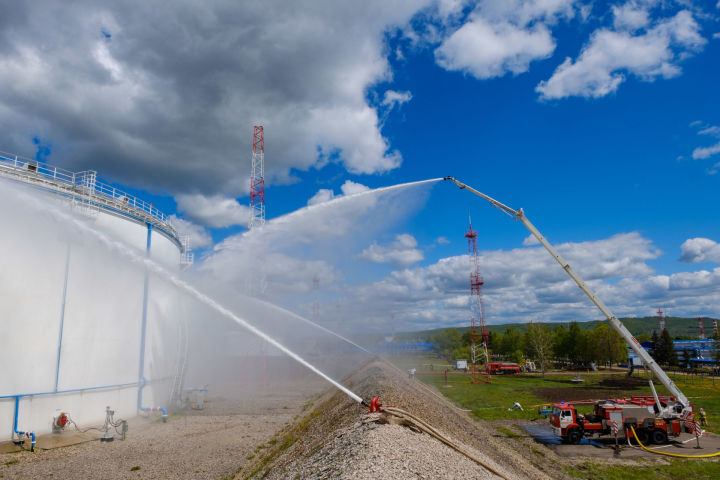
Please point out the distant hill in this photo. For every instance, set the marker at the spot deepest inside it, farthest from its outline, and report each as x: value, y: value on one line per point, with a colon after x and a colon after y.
x: 677, y: 326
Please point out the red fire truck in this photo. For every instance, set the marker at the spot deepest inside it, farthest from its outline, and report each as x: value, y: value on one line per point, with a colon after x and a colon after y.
x: 502, y: 368
x: 637, y: 411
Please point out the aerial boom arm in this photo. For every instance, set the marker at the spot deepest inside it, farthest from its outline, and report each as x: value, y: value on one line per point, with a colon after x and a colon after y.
x: 616, y: 324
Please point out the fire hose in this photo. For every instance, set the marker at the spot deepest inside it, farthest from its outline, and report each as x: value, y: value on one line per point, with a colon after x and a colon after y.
x: 670, y: 454
x: 433, y: 432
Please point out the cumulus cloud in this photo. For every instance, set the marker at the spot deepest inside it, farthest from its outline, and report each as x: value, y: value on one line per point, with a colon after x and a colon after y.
x: 393, y: 98
x: 632, y: 15
x: 696, y: 250
x: 347, y: 188
x: 701, y: 153
x: 199, y: 236
x: 610, y: 54
x: 213, y: 211
x: 530, y: 240
x: 167, y: 97
x: 520, y: 284
x: 501, y: 37
x: 401, y: 253
x: 442, y: 240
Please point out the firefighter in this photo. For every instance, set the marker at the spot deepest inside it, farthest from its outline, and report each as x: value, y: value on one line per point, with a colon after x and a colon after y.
x: 703, y: 418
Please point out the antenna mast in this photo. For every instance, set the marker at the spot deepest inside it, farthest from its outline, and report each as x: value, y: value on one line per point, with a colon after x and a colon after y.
x: 257, y: 180
x: 477, y: 319
x: 661, y: 320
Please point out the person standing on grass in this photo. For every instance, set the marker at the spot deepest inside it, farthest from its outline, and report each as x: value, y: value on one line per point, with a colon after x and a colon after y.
x: 703, y: 418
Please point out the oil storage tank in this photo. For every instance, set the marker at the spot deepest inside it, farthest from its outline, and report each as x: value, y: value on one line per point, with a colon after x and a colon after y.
x: 83, y: 326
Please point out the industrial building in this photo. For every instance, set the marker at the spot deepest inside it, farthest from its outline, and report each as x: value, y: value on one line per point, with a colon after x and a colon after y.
x: 702, y: 352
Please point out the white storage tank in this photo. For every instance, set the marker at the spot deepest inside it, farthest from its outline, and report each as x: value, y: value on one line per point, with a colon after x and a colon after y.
x: 83, y: 327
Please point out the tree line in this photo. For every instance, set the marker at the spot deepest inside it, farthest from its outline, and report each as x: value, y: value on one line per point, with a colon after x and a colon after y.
x: 541, y: 343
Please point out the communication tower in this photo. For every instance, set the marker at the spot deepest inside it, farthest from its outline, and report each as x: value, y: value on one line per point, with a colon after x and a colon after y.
x: 258, y: 280
x: 661, y: 320
x: 477, y: 319
x: 701, y: 329
x: 257, y: 179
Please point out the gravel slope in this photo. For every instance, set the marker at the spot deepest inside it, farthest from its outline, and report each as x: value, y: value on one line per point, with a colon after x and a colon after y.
x: 339, y: 439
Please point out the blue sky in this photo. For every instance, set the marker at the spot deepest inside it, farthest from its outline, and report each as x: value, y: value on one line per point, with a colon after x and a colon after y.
x: 600, y: 119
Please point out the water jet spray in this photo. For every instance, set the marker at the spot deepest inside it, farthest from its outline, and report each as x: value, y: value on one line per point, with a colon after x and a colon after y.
x: 157, y: 269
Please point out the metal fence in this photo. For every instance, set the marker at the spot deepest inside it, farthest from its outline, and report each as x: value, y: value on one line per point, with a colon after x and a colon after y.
x: 84, y: 187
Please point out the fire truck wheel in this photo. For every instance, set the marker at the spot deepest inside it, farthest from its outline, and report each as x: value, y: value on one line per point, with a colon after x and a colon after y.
x: 659, y: 437
x: 642, y: 435
x: 574, y: 436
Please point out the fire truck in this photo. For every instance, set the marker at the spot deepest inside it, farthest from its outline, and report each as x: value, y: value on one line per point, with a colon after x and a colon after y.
x: 640, y: 412
x: 502, y: 368
x: 670, y: 411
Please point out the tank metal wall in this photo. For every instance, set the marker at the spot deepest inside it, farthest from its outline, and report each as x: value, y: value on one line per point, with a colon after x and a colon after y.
x: 100, y: 308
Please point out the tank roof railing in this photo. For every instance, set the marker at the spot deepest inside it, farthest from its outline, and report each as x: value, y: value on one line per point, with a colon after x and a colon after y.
x: 84, y: 186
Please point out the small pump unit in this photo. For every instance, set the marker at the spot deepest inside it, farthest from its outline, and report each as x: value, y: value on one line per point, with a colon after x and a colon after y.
x: 59, y: 422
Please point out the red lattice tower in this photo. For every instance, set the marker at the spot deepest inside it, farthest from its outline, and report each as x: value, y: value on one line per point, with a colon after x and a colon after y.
x: 661, y: 320
x: 701, y: 329
x: 477, y: 319
x: 257, y: 179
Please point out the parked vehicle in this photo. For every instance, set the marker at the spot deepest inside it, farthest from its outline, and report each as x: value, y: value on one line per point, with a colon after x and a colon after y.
x: 637, y: 411
x: 502, y: 368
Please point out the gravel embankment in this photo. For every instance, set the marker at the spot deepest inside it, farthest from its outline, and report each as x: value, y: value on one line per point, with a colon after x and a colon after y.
x: 339, y: 439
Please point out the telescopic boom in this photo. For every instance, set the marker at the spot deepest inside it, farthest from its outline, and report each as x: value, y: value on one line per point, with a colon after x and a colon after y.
x: 616, y: 324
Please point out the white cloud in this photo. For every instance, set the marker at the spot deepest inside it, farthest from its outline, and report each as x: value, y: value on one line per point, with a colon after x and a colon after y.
x: 199, y: 237
x: 322, y: 195
x: 711, y: 130
x: 213, y: 211
x: 393, y: 98
x: 601, y: 66
x: 491, y: 50
x: 401, y: 253
x: 347, y: 188
x: 442, y: 240
x: 696, y: 250
x: 501, y: 37
x: 716, y: 35
x: 631, y: 15
x: 530, y: 240
x: 351, y: 188
x: 170, y: 98
x: 520, y: 284
x: 701, y: 153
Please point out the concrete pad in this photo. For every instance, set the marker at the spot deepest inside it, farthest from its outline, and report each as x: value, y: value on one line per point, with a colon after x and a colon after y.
x: 48, y: 442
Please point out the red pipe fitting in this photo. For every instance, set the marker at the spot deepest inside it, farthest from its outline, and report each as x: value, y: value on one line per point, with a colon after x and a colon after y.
x: 375, y: 405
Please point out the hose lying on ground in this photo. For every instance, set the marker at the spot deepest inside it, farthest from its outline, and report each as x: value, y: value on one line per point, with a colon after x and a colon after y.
x: 431, y: 431
x: 671, y: 454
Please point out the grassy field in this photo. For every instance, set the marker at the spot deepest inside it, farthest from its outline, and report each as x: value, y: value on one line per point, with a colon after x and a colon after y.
x: 493, y: 401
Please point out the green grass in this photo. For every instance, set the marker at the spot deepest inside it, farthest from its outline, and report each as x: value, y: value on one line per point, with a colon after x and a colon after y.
x: 694, y: 469
x: 507, y: 432
x: 135, y: 468
x: 491, y: 401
